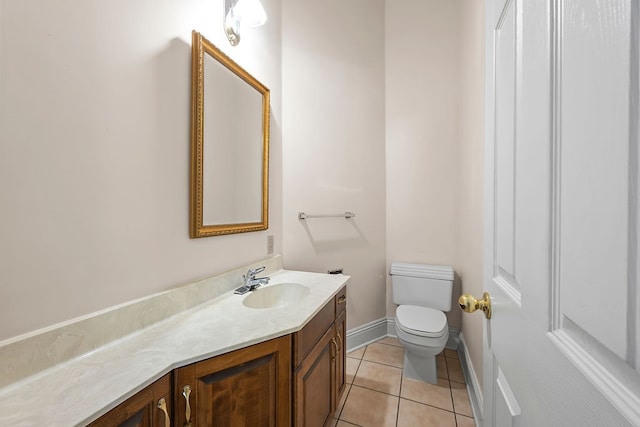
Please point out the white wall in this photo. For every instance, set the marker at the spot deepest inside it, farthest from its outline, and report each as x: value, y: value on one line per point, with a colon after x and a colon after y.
x: 333, y: 144
x: 94, y: 153
x: 422, y: 99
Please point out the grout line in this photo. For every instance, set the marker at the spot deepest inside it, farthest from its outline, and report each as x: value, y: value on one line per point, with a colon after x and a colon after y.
x: 388, y: 344
x: 373, y: 389
x: 399, y: 397
x: 431, y: 406
x: 453, y: 401
x: 350, y: 386
x: 345, y: 402
x: 380, y: 363
x: 351, y: 424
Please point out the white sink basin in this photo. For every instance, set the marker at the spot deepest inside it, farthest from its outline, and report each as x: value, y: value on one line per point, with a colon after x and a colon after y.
x: 277, y: 295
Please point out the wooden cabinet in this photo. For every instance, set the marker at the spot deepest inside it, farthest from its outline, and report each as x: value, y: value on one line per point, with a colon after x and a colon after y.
x: 247, y: 387
x: 319, y: 364
x: 150, y: 407
x: 251, y: 387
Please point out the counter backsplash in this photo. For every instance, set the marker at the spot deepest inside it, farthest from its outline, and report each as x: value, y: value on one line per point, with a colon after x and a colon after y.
x: 28, y: 354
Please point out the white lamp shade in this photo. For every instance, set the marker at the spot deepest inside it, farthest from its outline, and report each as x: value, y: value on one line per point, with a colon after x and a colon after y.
x: 250, y: 13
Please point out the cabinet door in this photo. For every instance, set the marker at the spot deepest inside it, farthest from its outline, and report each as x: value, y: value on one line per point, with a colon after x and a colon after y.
x: 150, y: 407
x: 248, y: 387
x: 341, y: 357
x: 314, y: 387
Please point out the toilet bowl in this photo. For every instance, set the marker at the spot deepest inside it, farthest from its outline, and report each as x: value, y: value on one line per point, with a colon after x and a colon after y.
x: 422, y: 293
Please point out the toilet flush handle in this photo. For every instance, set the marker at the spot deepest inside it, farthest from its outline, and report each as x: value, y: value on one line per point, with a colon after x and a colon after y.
x: 469, y: 304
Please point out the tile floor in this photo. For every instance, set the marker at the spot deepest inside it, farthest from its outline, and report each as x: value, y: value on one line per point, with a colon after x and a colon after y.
x: 378, y: 395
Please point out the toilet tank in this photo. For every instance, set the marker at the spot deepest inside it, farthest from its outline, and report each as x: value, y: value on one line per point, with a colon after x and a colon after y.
x: 422, y: 284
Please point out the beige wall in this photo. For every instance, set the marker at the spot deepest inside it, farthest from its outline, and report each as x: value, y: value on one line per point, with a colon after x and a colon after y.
x: 423, y: 98
x: 382, y: 115
x: 333, y: 144
x: 471, y: 165
x: 434, y: 139
x: 94, y: 153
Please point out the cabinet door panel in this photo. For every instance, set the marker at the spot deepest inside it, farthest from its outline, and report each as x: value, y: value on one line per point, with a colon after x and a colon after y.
x: 247, y: 387
x: 314, y: 384
x: 240, y: 395
x: 141, y: 409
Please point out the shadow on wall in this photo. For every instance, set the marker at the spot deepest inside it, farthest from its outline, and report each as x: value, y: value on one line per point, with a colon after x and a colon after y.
x: 454, y: 316
x: 330, y: 234
x: 172, y: 93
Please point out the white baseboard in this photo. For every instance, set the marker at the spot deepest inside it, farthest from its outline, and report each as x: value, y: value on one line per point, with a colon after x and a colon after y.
x: 474, y: 388
x: 385, y: 327
x: 366, y: 334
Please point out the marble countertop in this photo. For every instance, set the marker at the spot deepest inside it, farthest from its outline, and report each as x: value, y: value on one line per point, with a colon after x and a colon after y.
x: 78, y: 391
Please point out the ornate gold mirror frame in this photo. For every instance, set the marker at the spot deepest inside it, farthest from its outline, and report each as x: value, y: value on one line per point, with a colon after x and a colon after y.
x: 202, y: 51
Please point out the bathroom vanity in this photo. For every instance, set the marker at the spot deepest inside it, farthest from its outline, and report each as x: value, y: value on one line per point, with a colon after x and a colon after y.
x: 218, y: 363
x: 252, y: 386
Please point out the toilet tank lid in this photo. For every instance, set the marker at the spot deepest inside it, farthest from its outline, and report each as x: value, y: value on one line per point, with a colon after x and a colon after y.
x: 441, y: 272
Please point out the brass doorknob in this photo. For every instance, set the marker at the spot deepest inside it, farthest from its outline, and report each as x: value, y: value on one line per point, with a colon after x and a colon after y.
x: 469, y: 304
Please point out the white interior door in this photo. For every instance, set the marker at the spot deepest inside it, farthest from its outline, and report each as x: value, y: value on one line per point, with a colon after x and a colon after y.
x: 561, y: 263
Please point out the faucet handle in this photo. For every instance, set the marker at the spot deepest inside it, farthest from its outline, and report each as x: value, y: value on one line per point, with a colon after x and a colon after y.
x: 253, y: 271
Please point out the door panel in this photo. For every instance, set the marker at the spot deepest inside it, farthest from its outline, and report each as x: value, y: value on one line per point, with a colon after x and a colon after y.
x: 505, y: 143
x: 561, y: 251
x: 507, y: 406
x: 593, y: 170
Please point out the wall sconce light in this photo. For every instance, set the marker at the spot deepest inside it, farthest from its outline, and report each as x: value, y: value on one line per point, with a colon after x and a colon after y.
x: 239, y: 13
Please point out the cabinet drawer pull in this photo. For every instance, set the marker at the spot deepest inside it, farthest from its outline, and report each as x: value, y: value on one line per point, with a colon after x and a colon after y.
x: 333, y: 356
x: 162, y: 405
x: 342, y: 299
x: 186, y: 392
x: 338, y: 346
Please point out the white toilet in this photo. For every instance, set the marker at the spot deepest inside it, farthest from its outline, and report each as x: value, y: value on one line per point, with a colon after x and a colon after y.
x: 422, y: 293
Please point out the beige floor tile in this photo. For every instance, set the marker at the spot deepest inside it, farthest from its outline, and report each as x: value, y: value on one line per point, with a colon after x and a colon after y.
x: 461, y: 403
x: 351, y: 368
x: 339, y: 423
x: 390, y: 341
x: 357, y: 354
x: 368, y: 408
x: 455, y: 370
x: 451, y: 353
x: 332, y: 423
x: 379, y: 377
x: 386, y: 354
x: 412, y: 414
x: 465, y: 421
x: 442, y: 367
x: 438, y: 395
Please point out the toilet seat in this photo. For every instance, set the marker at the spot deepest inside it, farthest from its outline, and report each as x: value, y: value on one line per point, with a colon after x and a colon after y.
x: 421, y: 321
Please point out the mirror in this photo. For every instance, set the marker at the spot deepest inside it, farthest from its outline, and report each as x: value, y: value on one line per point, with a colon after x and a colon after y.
x: 229, y: 145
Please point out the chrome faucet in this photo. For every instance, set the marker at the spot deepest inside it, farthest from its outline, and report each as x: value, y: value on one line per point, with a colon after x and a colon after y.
x: 251, y: 282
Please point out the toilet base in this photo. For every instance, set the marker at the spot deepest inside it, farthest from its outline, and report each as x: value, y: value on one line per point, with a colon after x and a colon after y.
x: 420, y: 367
